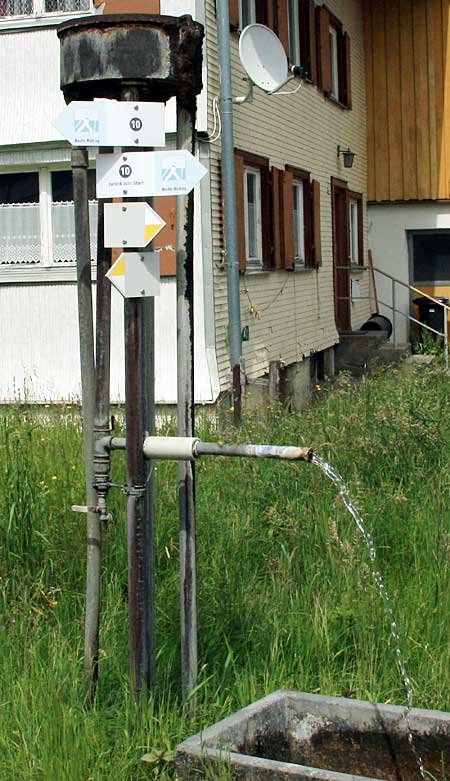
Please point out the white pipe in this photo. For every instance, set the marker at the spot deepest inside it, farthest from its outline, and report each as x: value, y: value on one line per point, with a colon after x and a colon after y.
x: 170, y: 448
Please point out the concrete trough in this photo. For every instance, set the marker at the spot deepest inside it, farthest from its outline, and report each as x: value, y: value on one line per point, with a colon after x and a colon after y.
x: 293, y: 735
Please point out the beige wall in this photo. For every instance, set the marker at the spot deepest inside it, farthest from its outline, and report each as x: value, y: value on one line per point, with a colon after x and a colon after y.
x: 304, y: 130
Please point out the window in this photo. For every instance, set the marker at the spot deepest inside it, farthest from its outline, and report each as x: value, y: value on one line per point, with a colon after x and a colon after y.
x: 252, y: 206
x: 37, y: 218
x: 334, y: 58
x: 299, y: 223
x: 34, y: 8
x: 294, y: 32
x: 247, y: 13
x: 253, y: 195
x: 334, y: 85
x: 355, y: 229
x: 431, y: 257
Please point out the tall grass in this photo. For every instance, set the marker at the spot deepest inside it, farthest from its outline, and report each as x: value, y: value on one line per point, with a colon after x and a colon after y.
x: 285, y: 596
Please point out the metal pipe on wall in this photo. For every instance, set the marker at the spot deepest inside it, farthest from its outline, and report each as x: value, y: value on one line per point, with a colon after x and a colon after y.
x: 186, y: 109
x: 229, y: 203
x: 79, y: 162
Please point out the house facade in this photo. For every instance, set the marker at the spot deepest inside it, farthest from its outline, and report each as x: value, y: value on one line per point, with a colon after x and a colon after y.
x: 408, y: 89
x: 301, y: 213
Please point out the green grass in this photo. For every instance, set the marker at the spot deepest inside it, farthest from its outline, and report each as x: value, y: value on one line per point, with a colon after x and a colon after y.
x: 285, y: 596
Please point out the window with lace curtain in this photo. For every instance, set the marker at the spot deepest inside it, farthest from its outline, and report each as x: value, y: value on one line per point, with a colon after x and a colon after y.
x: 35, y: 8
x: 37, y: 224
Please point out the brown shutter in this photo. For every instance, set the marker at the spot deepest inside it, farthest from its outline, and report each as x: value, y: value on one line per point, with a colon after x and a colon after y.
x: 360, y: 233
x: 261, y: 11
x: 312, y: 41
x: 277, y: 218
x: 324, y: 48
x: 348, y: 70
x: 316, y: 238
x: 234, y: 14
x: 240, y: 205
x: 166, y: 241
x: 282, y: 25
x: 288, y: 219
x: 271, y: 20
x: 266, y: 220
x: 131, y: 7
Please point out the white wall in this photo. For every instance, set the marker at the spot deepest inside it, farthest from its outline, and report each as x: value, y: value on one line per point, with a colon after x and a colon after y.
x: 388, y: 241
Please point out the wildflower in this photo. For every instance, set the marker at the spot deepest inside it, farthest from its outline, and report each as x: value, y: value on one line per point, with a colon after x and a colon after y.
x: 54, y: 477
x: 231, y: 409
x: 46, y: 405
x: 318, y: 387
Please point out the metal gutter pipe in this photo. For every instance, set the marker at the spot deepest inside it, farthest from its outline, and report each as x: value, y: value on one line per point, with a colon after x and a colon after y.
x: 230, y: 206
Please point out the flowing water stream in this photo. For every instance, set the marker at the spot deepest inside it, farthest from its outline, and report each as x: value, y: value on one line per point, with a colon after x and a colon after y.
x: 336, y: 478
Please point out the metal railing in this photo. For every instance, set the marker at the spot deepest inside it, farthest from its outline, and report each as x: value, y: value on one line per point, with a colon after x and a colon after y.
x: 395, y: 311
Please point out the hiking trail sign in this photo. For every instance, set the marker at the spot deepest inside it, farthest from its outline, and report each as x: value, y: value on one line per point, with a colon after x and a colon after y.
x: 130, y: 224
x: 136, y: 274
x: 103, y: 122
x: 137, y: 174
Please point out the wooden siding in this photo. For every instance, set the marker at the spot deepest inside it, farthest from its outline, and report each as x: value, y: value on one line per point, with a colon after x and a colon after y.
x: 408, y: 99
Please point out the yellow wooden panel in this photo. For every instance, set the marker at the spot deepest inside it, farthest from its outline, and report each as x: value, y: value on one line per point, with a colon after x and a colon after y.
x: 439, y: 96
x: 368, y: 46
x: 432, y: 84
x: 380, y: 88
x: 394, y: 109
x: 422, y: 100
x: 407, y: 80
x: 445, y: 142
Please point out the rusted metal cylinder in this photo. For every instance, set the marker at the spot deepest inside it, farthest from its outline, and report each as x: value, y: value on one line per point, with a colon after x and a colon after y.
x: 159, y: 56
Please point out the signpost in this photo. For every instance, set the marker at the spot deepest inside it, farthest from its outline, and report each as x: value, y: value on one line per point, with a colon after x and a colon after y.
x: 131, y: 224
x: 104, y: 122
x: 136, y: 274
x: 137, y: 174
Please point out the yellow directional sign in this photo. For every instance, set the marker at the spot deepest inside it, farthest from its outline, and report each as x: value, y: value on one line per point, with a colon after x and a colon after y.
x: 136, y: 274
x: 131, y: 224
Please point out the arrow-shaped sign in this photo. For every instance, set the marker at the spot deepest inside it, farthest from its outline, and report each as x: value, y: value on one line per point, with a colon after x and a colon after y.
x: 105, y: 122
x: 136, y: 274
x: 147, y: 173
x: 131, y: 224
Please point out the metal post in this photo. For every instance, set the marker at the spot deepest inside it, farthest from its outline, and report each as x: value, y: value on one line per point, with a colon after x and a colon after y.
x: 140, y: 417
x: 229, y: 202
x: 186, y: 108
x: 394, y: 307
x: 79, y: 159
x: 445, y: 336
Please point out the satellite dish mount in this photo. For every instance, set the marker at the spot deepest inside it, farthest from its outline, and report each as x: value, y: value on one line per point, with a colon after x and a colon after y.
x: 263, y: 57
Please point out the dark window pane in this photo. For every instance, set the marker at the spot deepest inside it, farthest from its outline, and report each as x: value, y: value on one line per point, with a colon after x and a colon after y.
x: 431, y: 257
x: 62, y: 188
x: 16, y: 7
x: 52, y: 6
x: 19, y: 188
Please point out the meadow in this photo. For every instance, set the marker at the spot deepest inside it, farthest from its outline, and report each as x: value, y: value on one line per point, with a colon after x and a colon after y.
x: 285, y: 594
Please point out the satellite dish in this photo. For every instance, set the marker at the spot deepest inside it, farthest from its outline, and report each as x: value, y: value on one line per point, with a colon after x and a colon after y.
x: 263, y: 57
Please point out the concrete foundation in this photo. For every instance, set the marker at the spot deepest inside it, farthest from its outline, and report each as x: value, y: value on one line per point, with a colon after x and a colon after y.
x: 292, y: 735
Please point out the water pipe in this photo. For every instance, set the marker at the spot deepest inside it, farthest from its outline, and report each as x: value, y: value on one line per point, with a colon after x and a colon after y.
x: 190, y: 448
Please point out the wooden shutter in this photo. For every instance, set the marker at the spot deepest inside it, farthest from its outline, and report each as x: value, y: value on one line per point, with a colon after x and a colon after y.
x: 277, y: 218
x: 234, y: 14
x: 323, y: 34
x: 316, y: 237
x: 240, y: 206
x: 132, y: 7
x: 166, y: 241
x: 271, y: 14
x: 282, y: 25
x: 261, y: 11
x: 348, y: 70
x: 266, y: 219
x: 288, y: 219
x: 312, y: 65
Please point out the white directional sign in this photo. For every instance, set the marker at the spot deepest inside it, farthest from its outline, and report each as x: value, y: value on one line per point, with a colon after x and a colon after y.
x: 103, y: 122
x: 131, y: 224
x: 134, y: 174
x: 136, y: 274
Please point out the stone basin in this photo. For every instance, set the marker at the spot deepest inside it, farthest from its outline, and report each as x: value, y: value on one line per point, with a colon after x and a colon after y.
x: 293, y: 735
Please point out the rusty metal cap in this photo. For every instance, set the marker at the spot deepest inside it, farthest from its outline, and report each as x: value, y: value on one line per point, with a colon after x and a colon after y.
x: 160, y: 56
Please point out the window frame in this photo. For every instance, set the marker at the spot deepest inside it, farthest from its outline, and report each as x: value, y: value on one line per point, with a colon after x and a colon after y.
x: 298, y: 185
x: 245, y: 160
x: 252, y: 14
x: 300, y: 175
x: 257, y: 260
x: 41, y: 17
x: 334, y: 58
x: 355, y: 199
x: 293, y: 31
x: 47, y: 263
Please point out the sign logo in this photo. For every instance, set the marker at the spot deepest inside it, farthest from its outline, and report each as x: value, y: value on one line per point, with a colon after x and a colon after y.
x: 86, y: 122
x: 136, y: 124
x: 173, y: 169
x: 125, y: 171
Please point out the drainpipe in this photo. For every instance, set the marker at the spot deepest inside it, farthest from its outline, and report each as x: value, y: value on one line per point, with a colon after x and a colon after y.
x: 230, y: 207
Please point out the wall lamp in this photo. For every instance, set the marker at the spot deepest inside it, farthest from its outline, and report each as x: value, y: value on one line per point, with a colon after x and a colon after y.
x: 347, y: 155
